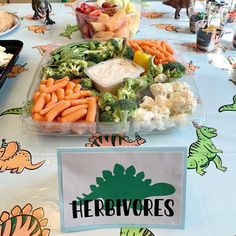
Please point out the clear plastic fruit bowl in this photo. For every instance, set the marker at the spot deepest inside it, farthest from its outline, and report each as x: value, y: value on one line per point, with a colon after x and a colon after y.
x: 106, y: 25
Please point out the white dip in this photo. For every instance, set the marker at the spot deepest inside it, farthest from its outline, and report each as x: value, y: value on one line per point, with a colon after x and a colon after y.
x: 111, y: 72
x: 4, y: 57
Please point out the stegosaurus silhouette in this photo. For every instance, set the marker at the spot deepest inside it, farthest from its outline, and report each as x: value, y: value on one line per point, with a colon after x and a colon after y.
x: 135, y: 232
x: 24, y: 221
x: 125, y: 184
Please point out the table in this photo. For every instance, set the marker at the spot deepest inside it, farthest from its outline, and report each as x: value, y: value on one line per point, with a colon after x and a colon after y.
x: 210, y: 203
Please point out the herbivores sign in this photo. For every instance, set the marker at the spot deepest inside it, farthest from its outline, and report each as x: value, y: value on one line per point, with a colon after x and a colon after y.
x: 131, y: 187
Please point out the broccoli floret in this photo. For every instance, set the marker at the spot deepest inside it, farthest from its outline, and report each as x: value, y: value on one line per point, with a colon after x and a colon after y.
x: 124, y: 93
x: 106, y: 116
x: 86, y: 83
x: 173, y: 70
x: 106, y: 101
x: 95, y: 57
x: 124, y: 109
x: 116, y: 45
x: 128, y: 52
x: 91, y: 63
x: 153, y: 69
x: 94, y: 92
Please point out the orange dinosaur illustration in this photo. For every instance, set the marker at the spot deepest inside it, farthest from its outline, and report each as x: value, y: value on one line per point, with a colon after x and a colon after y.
x: 24, y: 222
x: 167, y: 27
x: 192, y: 47
x: 43, y: 48
x: 153, y: 15
x: 15, y: 159
x: 191, y: 68
x: 37, y: 29
x: 114, y: 140
x: 16, y: 69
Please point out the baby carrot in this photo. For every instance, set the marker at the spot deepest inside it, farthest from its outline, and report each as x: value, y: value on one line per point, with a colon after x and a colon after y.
x: 76, y: 81
x: 56, y: 110
x: 168, y: 48
x: 68, y: 91
x: 60, y: 93
x: 73, y: 109
x: 63, y: 79
x: 44, y: 111
x: 92, y: 109
x: 72, y: 96
x: 36, y: 96
x: 39, y: 104
x: 47, y: 98
x: 42, y: 87
x: 74, y: 116
x: 148, y: 43
x: 77, y: 88
x: 43, y: 81
x: 53, y: 99
x: 70, y: 85
x: 50, y: 81
x: 37, y: 116
x: 78, y: 101
x: 55, y: 86
x: 85, y: 93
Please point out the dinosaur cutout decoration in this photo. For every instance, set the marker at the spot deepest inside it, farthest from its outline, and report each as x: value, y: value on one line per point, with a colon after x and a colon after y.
x: 38, y: 29
x: 229, y: 107
x: 44, y: 48
x: 24, y: 222
x: 114, y: 141
x: 17, y: 69
x: 135, y: 232
x: 192, y: 68
x: 15, y: 159
x: 129, y: 185
x: 192, y: 47
x: 203, y: 151
x: 167, y: 27
x: 16, y: 110
x: 153, y: 14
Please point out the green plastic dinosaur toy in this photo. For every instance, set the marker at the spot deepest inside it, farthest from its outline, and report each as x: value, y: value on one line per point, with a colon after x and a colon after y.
x: 125, y: 184
x: 229, y: 107
x: 203, y: 151
x: 135, y: 232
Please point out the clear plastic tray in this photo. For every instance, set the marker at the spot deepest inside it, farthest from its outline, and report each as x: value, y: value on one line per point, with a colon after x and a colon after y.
x: 82, y: 128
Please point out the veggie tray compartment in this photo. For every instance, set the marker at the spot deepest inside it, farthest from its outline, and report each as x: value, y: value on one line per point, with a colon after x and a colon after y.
x: 113, y: 86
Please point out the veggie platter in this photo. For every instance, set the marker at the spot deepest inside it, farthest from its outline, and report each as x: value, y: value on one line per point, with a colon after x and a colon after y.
x: 109, y: 86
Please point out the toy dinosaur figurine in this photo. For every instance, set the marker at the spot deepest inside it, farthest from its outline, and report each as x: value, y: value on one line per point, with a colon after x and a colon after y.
x: 203, y: 151
x: 42, y: 8
x: 178, y: 5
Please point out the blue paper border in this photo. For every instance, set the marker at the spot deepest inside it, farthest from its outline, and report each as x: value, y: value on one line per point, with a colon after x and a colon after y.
x: 62, y: 150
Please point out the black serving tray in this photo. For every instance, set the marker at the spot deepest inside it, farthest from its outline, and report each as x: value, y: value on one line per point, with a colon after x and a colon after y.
x: 14, y: 47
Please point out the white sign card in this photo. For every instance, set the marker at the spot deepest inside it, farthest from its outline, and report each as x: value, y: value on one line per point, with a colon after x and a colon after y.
x: 122, y: 187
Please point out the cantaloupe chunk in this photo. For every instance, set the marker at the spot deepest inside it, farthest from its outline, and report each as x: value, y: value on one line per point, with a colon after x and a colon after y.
x: 103, y: 18
x: 98, y: 26
x: 122, y: 32
x: 104, y: 35
x: 116, y: 21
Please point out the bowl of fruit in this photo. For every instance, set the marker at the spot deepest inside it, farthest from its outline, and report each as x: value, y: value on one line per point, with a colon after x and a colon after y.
x: 107, y: 19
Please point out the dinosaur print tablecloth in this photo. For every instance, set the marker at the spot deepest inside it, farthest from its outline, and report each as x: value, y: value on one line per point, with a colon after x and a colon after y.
x: 28, y: 166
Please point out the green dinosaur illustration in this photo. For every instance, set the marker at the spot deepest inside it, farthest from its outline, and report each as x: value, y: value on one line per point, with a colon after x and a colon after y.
x: 125, y: 184
x: 203, y: 151
x: 135, y: 232
x: 229, y: 107
x: 69, y: 30
x: 16, y: 110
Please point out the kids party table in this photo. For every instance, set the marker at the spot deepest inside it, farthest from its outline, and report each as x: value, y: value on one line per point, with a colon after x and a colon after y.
x: 210, y: 195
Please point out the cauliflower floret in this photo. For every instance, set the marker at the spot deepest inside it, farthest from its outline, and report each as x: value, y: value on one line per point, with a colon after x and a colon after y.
x: 181, y: 102
x: 163, y: 89
x: 180, y: 86
x: 160, y: 78
x: 143, y: 115
x: 162, y: 119
x: 147, y: 103
x: 160, y: 100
